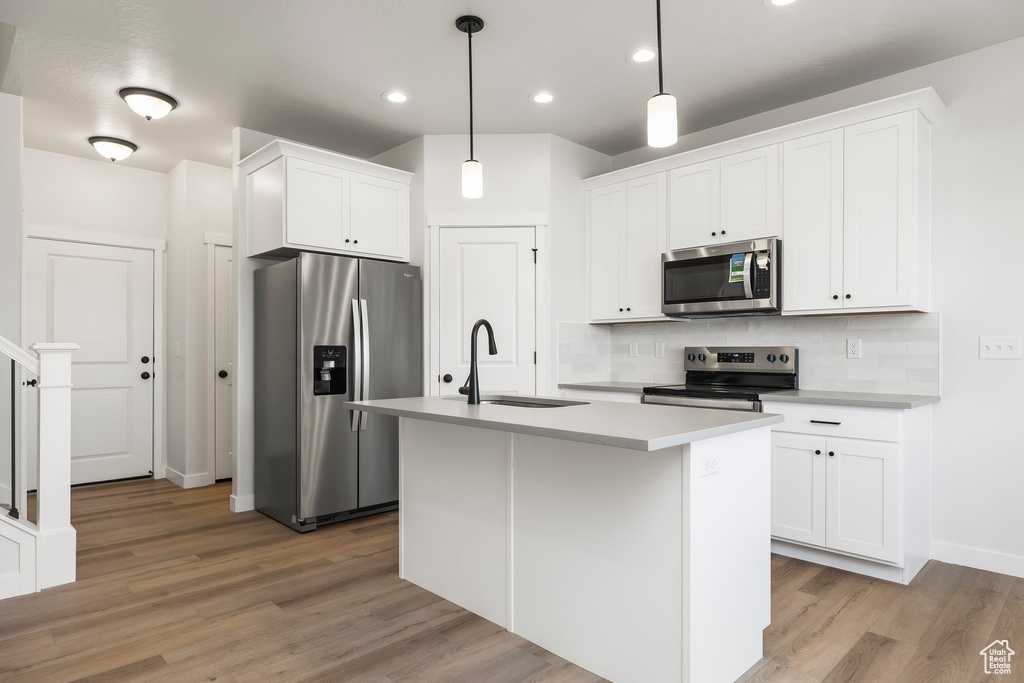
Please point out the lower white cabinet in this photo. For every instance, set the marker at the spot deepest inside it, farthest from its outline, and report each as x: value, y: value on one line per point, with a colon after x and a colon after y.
x: 852, y: 485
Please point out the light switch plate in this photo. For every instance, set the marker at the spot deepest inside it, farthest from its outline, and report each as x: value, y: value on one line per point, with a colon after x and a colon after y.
x: 1003, y: 347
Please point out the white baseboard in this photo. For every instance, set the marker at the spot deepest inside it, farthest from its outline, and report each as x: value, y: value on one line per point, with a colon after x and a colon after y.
x: 978, y: 558
x: 243, y: 503
x: 188, y: 481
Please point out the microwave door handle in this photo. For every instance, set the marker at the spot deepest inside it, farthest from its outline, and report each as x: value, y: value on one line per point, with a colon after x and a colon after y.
x: 748, y: 286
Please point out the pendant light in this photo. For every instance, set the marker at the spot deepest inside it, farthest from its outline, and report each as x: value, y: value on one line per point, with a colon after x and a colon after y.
x: 662, y: 123
x: 114, y: 149
x: 151, y: 104
x: 472, y: 171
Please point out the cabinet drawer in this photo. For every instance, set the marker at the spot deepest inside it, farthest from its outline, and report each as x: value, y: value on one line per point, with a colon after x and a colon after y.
x: 838, y: 421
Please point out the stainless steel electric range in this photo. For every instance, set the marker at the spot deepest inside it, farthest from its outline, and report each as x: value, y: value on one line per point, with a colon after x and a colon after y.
x: 729, y: 377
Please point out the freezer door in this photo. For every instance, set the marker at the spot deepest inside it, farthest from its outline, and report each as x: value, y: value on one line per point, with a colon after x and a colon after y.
x: 394, y: 332
x: 328, y: 448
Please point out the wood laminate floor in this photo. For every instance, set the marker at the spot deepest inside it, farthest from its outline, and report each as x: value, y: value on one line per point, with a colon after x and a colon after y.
x: 174, y: 587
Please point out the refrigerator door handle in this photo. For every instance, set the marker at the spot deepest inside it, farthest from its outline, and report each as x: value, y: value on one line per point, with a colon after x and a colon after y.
x: 364, y: 417
x: 357, y: 361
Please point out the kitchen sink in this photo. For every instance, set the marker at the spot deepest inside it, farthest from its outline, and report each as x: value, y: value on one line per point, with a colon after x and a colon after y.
x: 522, y: 401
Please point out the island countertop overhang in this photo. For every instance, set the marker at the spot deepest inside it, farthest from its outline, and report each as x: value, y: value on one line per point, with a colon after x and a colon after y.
x: 622, y: 425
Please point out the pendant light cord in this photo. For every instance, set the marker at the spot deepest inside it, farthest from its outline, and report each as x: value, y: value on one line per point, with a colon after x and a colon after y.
x: 470, y: 34
x: 661, y: 77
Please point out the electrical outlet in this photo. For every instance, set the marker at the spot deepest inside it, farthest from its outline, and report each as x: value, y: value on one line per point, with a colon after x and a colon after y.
x: 659, y: 350
x: 177, y: 349
x: 853, y: 348
x: 634, y: 351
x: 708, y: 465
x: 1002, y: 347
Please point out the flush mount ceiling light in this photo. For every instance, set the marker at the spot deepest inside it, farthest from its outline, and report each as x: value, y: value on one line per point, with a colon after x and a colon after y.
x: 149, y: 103
x: 395, y: 96
x: 771, y: 4
x: 114, y: 149
x: 543, y: 97
x: 662, y: 123
x: 642, y: 55
x: 472, y: 171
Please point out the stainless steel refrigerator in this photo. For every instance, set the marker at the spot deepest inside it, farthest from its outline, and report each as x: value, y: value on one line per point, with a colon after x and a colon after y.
x: 330, y: 329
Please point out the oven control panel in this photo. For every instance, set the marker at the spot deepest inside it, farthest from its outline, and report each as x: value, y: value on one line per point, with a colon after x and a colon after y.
x: 745, y: 359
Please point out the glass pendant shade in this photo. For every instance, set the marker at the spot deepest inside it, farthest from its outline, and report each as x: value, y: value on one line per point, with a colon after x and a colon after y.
x: 472, y: 179
x: 113, y: 148
x: 662, y: 121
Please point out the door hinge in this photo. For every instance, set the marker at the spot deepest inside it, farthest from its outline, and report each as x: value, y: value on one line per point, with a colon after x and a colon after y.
x: 534, y: 357
x: 534, y: 255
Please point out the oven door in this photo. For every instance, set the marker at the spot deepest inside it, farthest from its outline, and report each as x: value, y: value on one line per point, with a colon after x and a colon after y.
x: 723, y: 279
x: 694, y: 402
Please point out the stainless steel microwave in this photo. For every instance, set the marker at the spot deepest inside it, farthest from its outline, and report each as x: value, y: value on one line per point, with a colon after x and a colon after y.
x: 738, y: 278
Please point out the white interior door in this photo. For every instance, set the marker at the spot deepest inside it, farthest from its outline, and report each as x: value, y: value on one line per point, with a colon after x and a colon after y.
x: 224, y: 364
x: 488, y: 273
x: 102, y: 299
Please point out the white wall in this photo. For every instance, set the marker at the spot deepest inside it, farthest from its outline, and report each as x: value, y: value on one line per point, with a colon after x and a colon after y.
x: 199, y: 201
x: 977, y: 232
x: 97, y: 196
x: 10, y: 266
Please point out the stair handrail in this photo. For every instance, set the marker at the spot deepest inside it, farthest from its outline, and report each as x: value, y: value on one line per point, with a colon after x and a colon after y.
x: 19, y: 355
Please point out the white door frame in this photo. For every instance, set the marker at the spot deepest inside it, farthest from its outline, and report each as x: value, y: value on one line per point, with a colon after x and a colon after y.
x: 432, y: 288
x: 159, y: 249
x: 212, y: 240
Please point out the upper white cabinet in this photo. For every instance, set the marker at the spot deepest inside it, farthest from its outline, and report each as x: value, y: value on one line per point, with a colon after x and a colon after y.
x: 300, y: 198
x: 855, y: 208
x: 729, y: 199
x: 627, y: 238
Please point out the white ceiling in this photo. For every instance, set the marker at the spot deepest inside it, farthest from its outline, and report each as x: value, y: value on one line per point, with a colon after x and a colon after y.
x: 314, y: 70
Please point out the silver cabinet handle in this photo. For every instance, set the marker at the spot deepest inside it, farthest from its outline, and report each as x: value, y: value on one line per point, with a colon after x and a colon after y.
x: 364, y: 417
x: 357, y: 361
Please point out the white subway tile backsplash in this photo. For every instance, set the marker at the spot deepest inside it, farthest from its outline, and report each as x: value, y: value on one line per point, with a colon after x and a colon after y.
x: 900, y: 352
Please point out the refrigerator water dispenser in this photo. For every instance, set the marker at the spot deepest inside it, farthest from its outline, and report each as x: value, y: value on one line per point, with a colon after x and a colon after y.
x: 330, y: 374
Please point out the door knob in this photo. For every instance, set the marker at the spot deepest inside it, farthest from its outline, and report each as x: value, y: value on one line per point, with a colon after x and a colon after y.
x: 146, y: 375
x: 145, y: 359
x: 448, y: 379
x: 222, y: 374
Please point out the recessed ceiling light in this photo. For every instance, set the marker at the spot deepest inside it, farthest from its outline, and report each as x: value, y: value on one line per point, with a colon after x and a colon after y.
x: 114, y: 149
x: 776, y: 3
x: 542, y: 97
x: 149, y: 103
x: 642, y: 54
x: 395, y: 96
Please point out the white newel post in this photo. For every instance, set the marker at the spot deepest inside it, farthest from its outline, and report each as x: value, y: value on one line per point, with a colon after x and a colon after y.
x: 55, y: 556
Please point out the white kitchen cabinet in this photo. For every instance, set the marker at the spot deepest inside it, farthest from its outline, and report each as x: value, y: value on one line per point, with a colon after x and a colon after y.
x: 855, y: 208
x: 627, y: 238
x: 850, y: 487
x: 300, y: 198
x: 730, y: 199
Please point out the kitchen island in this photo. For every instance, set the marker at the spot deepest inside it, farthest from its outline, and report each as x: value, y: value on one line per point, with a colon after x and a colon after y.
x: 631, y: 540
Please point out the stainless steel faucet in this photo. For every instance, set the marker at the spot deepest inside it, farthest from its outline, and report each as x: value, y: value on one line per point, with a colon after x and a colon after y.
x: 472, y: 385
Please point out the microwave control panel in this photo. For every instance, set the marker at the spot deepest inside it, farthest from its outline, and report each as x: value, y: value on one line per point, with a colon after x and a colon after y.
x: 762, y: 285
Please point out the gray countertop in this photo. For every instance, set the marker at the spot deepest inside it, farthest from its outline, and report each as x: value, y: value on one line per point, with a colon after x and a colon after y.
x: 834, y: 398
x: 622, y: 425
x: 850, y: 398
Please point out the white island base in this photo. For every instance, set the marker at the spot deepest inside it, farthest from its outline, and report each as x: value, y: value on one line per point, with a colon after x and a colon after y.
x: 628, y: 563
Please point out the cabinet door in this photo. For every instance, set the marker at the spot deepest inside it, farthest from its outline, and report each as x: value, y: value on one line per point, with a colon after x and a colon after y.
x: 862, y: 511
x: 812, y: 210
x: 379, y: 216
x: 750, y: 194
x: 798, y: 488
x: 607, y: 251
x: 646, y: 204
x: 317, y: 199
x: 695, y: 212
x: 879, y: 212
